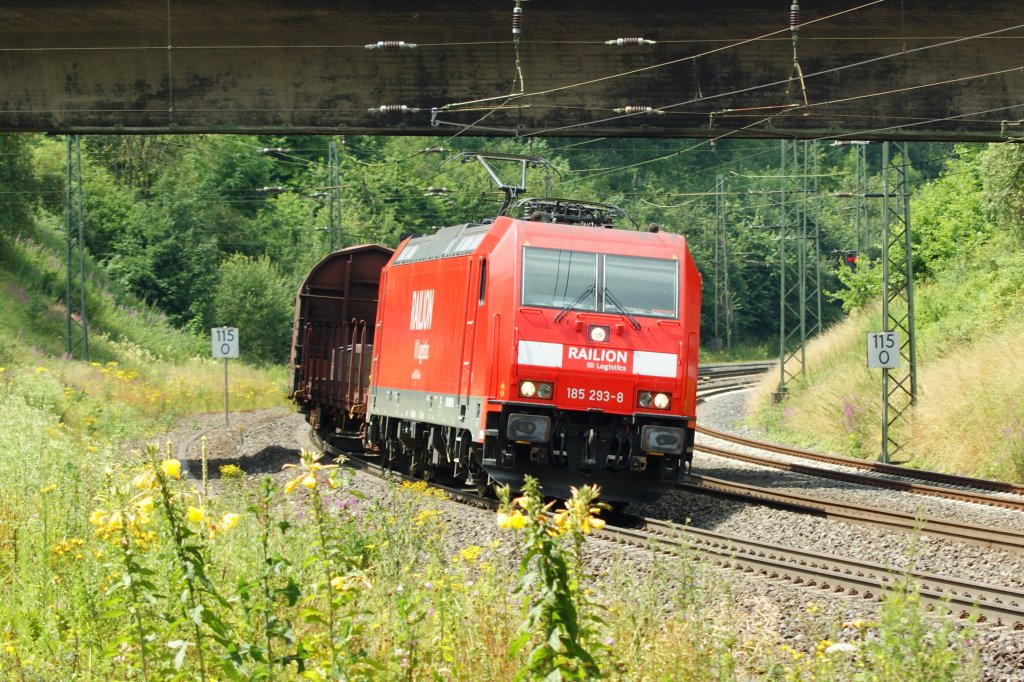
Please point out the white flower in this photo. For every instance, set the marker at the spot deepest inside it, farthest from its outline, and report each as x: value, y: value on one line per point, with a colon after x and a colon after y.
x: 841, y: 647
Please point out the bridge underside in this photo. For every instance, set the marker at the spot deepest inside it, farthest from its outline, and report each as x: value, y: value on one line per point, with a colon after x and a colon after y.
x: 908, y: 69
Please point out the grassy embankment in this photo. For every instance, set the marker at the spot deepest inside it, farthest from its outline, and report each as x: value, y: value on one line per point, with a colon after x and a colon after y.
x: 968, y: 419
x: 113, y: 568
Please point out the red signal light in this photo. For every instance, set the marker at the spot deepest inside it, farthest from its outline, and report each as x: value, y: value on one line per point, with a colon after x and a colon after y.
x: 850, y: 258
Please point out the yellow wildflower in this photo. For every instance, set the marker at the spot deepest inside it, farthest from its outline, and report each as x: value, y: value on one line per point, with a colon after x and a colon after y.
x: 344, y: 583
x: 114, y: 520
x: 289, y: 487
x: 99, y: 518
x: 145, y: 505
x: 146, y: 480
x: 229, y: 521
x: 309, y: 481
x: 66, y: 547
x: 48, y: 489
x: 171, y: 468
x: 424, y: 516
x: 471, y: 553
x: 515, y: 520
x: 195, y: 514
x: 230, y: 471
x: 597, y: 524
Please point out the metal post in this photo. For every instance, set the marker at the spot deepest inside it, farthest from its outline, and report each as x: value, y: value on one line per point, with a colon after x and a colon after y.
x: 860, y: 206
x: 76, y: 317
x: 812, y: 238
x: 226, y: 392
x: 792, y: 268
x: 899, y: 386
x: 723, y: 300
x: 334, y: 197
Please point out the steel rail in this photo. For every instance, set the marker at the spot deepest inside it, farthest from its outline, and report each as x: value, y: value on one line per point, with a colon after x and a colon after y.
x: 355, y: 462
x: 982, y: 536
x: 993, y: 604
x: 876, y: 467
x: 856, y: 477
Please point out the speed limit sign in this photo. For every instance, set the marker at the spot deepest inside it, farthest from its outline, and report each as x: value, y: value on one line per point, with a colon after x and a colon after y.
x: 883, y: 350
x: 225, y: 342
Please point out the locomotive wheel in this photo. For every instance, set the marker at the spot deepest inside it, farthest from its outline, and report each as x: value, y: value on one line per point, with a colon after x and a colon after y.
x: 488, y: 490
x: 423, y: 471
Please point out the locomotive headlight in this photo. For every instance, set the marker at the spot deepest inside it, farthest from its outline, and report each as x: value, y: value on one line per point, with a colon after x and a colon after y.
x: 536, y: 389
x: 599, y: 333
x: 661, y: 401
x: 644, y: 399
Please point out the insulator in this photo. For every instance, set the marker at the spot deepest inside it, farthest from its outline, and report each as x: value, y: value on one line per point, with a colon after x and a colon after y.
x: 517, y: 20
x: 392, y: 109
x: 794, y: 16
x: 637, y: 110
x: 434, y: 150
x: 629, y: 41
x: 383, y: 44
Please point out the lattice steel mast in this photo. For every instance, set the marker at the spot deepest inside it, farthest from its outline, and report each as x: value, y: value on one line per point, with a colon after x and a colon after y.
x: 723, y: 299
x: 76, y: 318
x: 899, y: 385
x: 333, y: 198
x: 799, y: 281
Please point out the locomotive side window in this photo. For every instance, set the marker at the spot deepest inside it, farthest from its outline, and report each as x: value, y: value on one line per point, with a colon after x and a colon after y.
x: 555, y: 278
x: 644, y: 286
x: 483, y: 283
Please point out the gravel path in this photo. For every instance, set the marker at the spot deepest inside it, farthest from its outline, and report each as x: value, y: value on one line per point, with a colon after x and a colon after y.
x: 261, y: 442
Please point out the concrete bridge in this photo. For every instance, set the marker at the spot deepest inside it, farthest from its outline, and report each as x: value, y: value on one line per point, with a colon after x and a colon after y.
x: 862, y: 69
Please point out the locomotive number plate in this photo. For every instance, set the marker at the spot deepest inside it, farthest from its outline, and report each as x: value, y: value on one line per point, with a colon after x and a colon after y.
x: 595, y: 395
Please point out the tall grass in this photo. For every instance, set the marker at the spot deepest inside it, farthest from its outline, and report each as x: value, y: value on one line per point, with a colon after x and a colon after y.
x: 113, y: 567
x: 967, y: 417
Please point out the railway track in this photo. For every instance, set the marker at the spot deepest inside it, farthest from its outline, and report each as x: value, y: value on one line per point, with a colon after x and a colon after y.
x: 960, y: 598
x: 715, y: 380
x: 722, y: 379
x: 982, y: 536
x: 1010, y: 496
x: 855, y: 578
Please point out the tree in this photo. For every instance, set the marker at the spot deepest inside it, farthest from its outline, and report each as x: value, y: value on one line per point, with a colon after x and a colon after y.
x: 253, y: 296
x: 18, y: 181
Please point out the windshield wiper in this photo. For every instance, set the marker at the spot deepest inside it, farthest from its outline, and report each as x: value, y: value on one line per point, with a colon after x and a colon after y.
x: 632, y: 320
x: 575, y: 302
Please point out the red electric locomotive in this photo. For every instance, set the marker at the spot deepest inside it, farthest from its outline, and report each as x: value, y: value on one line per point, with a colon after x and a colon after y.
x: 553, y: 346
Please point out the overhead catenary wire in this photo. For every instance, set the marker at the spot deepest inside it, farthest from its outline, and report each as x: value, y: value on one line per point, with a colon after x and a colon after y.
x: 845, y: 135
x: 779, y: 82
x: 739, y: 43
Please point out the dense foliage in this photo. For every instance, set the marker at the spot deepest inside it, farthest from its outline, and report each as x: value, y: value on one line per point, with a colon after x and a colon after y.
x: 188, y: 222
x: 175, y: 220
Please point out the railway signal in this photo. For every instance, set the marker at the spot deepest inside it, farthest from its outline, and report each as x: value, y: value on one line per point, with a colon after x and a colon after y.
x: 850, y: 259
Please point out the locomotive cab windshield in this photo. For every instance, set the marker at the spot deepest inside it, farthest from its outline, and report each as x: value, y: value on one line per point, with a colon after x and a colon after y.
x: 599, y: 282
